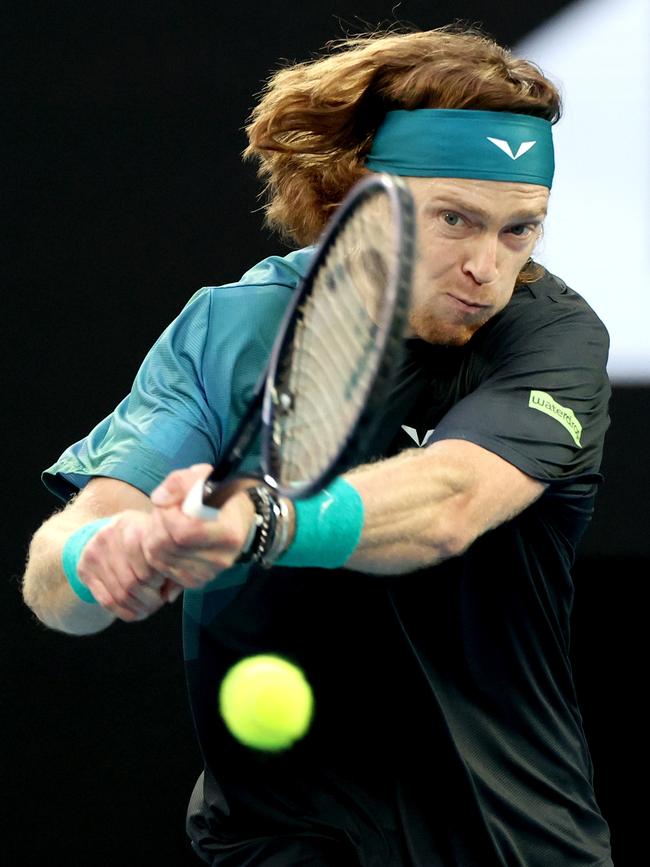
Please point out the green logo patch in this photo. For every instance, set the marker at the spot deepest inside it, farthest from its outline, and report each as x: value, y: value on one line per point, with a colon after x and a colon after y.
x: 544, y: 403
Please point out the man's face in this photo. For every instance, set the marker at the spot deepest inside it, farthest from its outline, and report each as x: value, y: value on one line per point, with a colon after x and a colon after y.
x: 473, y: 238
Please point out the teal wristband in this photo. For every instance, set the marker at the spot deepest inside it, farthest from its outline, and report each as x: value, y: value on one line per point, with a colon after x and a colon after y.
x: 72, y: 551
x: 328, y: 528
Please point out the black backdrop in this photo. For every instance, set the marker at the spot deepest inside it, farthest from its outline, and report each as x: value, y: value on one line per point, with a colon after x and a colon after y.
x: 124, y: 192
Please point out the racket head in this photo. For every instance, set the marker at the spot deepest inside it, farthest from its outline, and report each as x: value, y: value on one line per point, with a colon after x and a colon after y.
x: 334, y: 361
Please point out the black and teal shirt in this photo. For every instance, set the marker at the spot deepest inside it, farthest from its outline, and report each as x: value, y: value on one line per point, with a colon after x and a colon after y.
x: 447, y: 730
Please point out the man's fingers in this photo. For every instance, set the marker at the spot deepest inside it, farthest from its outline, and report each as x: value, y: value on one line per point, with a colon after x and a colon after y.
x: 116, y: 587
x: 110, y: 594
x: 160, y: 578
x: 187, y: 533
x: 171, y: 591
x: 193, y: 572
x: 134, y: 560
x: 189, y: 550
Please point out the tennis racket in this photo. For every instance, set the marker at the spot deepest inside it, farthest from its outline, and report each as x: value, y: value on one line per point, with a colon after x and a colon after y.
x: 333, y: 361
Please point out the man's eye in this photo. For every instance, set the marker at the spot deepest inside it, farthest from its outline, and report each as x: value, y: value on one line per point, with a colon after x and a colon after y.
x: 521, y: 231
x: 451, y: 219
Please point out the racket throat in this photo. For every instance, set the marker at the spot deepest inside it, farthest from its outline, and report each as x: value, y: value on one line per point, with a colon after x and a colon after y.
x: 215, y: 493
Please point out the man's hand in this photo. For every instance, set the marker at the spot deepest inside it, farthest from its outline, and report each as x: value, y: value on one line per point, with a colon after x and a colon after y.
x: 140, y: 561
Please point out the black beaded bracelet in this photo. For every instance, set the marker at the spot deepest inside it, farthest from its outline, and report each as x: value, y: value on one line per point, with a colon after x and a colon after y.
x: 281, y: 534
x: 247, y: 552
x: 262, y: 541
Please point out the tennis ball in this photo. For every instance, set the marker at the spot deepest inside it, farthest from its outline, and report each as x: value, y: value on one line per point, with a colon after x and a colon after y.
x: 266, y: 702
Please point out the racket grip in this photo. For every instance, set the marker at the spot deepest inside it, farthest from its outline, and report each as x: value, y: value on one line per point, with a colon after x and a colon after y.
x: 193, y: 505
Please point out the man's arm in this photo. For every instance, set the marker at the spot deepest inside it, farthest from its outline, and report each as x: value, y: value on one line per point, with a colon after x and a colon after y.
x: 420, y: 507
x: 45, y: 588
x: 427, y: 505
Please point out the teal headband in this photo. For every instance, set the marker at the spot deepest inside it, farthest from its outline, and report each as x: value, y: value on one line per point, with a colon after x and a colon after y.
x: 458, y: 143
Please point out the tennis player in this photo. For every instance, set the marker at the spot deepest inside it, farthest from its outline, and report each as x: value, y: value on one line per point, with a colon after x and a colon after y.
x: 429, y: 602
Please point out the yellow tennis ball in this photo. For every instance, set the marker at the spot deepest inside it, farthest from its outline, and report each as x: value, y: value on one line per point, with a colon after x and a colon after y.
x: 266, y: 702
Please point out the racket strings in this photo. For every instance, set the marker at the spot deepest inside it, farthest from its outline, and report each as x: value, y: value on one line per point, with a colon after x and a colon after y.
x: 333, y: 359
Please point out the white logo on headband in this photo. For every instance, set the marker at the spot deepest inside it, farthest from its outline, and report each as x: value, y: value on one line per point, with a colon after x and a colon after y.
x: 524, y: 147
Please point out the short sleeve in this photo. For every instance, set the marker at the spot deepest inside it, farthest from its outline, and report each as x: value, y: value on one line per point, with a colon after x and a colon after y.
x: 540, y: 390
x: 187, y: 395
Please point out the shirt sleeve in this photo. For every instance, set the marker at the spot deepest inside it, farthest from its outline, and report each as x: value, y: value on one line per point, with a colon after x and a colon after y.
x: 540, y: 391
x: 187, y: 395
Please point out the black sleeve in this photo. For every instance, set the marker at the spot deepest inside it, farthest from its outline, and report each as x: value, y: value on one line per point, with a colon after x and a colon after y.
x: 540, y: 391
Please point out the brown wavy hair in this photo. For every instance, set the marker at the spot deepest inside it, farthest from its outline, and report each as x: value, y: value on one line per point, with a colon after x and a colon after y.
x: 314, y: 123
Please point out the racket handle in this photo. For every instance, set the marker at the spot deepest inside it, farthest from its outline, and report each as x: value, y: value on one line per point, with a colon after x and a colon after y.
x: 193, y: 505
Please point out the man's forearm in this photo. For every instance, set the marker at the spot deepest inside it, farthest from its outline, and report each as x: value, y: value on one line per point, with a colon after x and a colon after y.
x: 426, y: 505
x: 412, y: 506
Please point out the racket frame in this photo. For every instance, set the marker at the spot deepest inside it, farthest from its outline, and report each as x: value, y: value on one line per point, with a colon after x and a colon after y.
x: 261, y: 412
x: 390, y: 333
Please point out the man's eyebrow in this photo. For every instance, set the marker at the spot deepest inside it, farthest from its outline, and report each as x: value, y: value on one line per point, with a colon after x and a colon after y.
x: 529, y: 216
x: 474, y: 211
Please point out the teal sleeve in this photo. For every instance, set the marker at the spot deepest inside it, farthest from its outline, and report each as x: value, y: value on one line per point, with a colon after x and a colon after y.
x: 188, y: 395
x: 163, y: 423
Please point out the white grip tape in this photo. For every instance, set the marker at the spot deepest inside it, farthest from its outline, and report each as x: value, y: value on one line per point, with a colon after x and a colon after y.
x: 193, y: 505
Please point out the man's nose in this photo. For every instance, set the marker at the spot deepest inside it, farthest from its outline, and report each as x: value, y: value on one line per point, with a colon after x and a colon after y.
x: 481, y: 259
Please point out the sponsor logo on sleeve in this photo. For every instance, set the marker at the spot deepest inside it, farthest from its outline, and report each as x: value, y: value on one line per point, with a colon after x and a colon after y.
x: 543, y: 402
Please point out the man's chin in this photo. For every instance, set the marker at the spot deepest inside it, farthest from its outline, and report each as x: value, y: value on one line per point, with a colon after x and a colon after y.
x: 443, y: 335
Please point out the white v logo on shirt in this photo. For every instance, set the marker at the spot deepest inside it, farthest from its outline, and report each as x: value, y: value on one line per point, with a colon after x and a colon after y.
x: 411, y: 431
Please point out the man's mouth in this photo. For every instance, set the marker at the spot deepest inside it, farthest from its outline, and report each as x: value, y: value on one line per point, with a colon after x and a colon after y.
x: 465, y: 304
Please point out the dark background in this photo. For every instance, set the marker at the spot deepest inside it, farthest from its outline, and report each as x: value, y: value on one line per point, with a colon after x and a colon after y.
x: 124, y: 192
